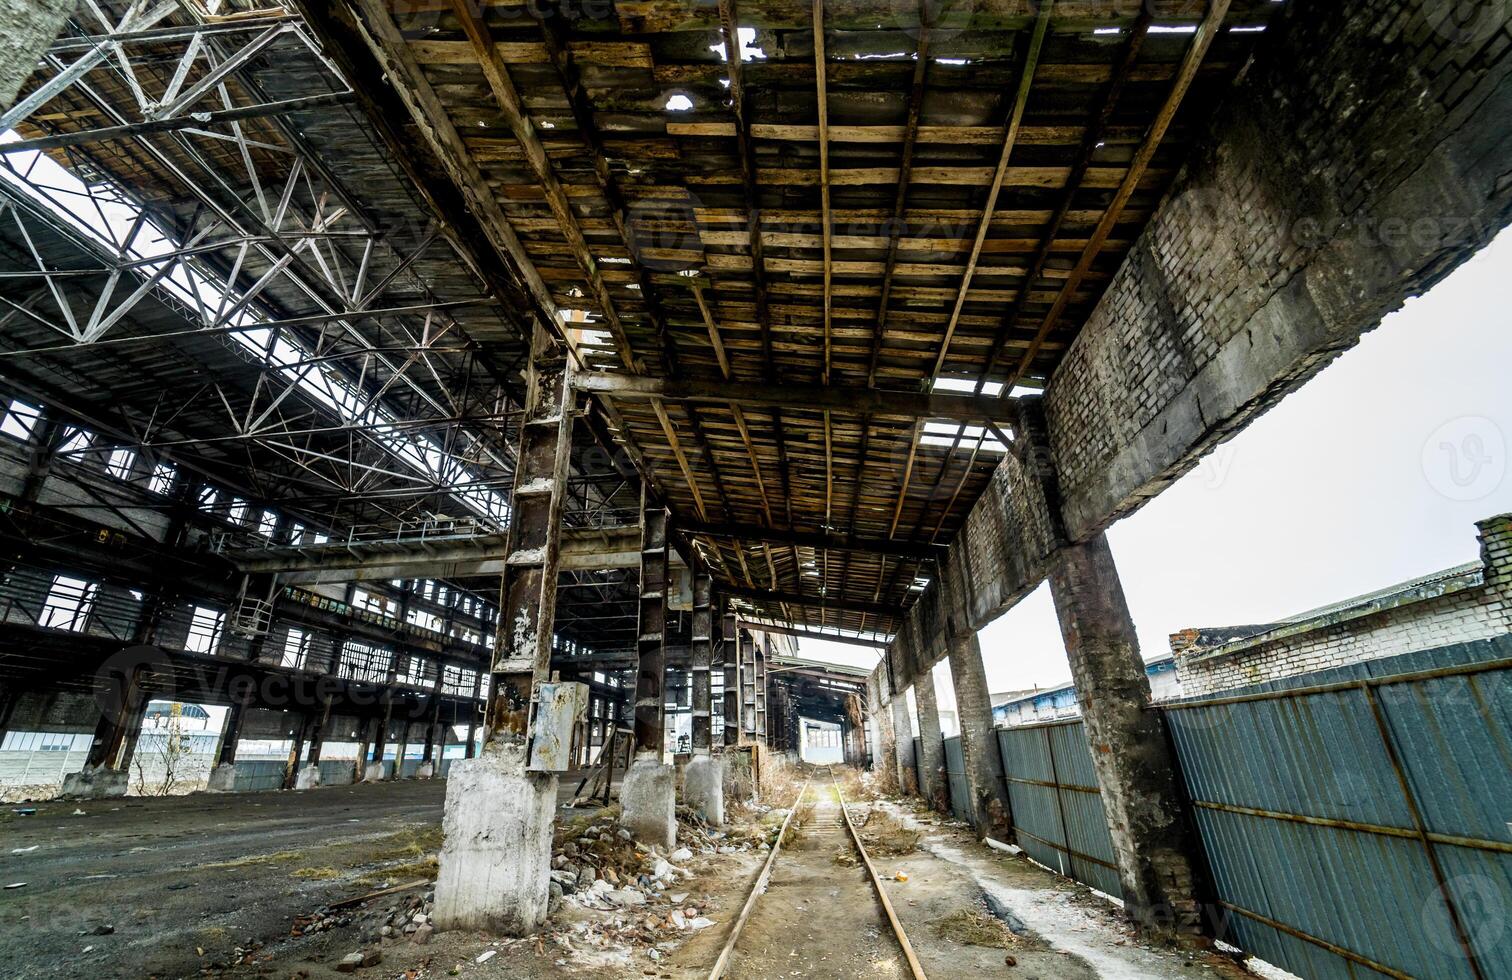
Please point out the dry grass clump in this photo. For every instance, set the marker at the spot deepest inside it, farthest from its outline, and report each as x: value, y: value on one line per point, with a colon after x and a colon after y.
x: 325, y: 873
x: 426, y: 867
x: 277, y: 857
x: 973, y: 927
x: 885, y: 835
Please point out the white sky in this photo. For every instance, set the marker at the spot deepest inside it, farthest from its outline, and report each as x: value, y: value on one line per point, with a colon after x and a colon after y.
x: 1353, y: 483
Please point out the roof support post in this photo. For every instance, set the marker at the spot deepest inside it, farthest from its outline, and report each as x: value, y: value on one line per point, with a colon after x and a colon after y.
x: 931, y: 742
x: 648, y: 796
x: 979, y: 743
x: 702, y: 656
x: 730, y: 658
x: 528, y: 586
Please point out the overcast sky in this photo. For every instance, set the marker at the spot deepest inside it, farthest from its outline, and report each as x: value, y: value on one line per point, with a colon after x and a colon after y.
x: 1372, y: 474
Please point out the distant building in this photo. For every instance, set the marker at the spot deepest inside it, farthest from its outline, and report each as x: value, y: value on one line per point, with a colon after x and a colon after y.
x: 1055, y: 703
x: 1457, y: 605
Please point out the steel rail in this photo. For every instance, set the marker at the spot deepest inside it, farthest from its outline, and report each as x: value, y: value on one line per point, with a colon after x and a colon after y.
x: 892, y: 916
x: 723, y: 963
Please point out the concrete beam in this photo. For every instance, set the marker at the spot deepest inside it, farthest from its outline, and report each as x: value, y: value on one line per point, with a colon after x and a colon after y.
x: 581, y: 550
x: 859, y: 401
x: 27, y: 27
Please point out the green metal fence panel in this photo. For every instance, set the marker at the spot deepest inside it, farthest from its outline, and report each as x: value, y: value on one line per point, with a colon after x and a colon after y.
x: 1356, y: 820
x: 955, y: 774
x: 1057, y: 808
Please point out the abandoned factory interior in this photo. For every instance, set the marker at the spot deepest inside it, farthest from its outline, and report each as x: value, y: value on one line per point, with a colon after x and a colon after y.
x: 756, y: 489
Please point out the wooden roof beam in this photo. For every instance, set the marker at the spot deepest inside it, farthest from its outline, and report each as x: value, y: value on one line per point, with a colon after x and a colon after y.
x: 1010, y: 140
x: 1202, y: 40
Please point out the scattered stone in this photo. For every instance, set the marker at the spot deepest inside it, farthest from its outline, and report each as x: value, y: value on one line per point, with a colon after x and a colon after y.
x: 350, y: 963
x: 422, y: 935
x: 626, y: 897
x: 100, y: 930
x: 680, y: 855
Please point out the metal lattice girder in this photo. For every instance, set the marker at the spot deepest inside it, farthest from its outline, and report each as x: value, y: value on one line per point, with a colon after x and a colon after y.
x: 651, y: 634
x: 702, y: 654
x: 527, y: 590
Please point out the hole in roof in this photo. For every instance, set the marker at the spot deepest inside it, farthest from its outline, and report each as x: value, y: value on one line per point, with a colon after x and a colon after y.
x: 745, y: 39
x: 547, y: 124
x: 967, y: 386
x: 952, y: 61
x: 1107, y: 30
x: 679, y: 103
x: 1173, y: 29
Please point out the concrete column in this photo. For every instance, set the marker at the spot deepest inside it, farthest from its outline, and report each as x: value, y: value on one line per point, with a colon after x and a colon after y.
x: 979, y: 744
x: 648, y: 795
x: 296, y: 751
x: 902, y: 729
x: 27, y: 27
x: 223, y: 776
x: 1130, y: 749
x: 400, y: 747
x: 105, y: 773
x: 495, y: 858
x: 703, y: 778
x: 428, y: 762
x: 931, y: 742
x: 379, y: 743
x: 308, y: 777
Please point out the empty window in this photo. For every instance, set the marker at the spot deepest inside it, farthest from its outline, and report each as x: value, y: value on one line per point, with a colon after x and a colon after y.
x: 296, y: 645
x: 120, y: 462
x: 208, y: 497
x: 75, y: 441
x: 238, y: 512
x: 267, y: 523
x: 69, y: 601
x: 163, y: 475
x: 204, y: 630
x: 20, y: 420
x: 424, y: 620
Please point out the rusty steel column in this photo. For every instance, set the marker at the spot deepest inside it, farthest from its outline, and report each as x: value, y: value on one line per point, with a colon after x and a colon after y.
x: 701, y: 655
x: 648, y: 795
x: 528, y: 587
x: 651, y: 650
x: 747, y: 685
x: 495, y: 862
x: 729, y: 647
x: 759, y: 669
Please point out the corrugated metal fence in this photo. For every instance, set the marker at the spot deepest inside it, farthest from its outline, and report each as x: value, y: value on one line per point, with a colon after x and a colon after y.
x: 1356, y: 821
x: 955, y: 776
x: 1057, y: 807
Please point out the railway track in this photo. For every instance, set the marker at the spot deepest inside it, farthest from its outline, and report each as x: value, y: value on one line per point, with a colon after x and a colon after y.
x: 829, y: 835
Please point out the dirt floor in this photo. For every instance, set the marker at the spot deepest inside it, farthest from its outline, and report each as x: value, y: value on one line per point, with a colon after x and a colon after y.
x: 221, y: 885
x: 817, y: 892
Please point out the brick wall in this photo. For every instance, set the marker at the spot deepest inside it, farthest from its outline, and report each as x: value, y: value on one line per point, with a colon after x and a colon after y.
x: 1359, y: 159
x: 1474, y: 605
x: 1362, y: 157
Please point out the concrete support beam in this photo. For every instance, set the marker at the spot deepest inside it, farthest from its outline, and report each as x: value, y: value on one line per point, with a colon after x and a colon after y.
x: 979, y: 743
x: 106, y: 771
x: 27, y: 27
x: 1130, y: 749
x: 903, y: 758
x: 648, y: 796
x: 932, y: 744
x: 496, y: 854
x: 223, y: 776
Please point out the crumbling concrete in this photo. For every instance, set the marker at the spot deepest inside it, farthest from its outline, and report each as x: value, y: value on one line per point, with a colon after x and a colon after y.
x: 648, y: 801
x: 307, y: 778
x: 222, y: 779
x: 931, y: 743
x: 496, y: 858
x: 95, y: 784
x: 703, y: 788
x: 27, y: 27
x: 426, y: 770
x: 373, y: 773
x: 1131, y: 751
